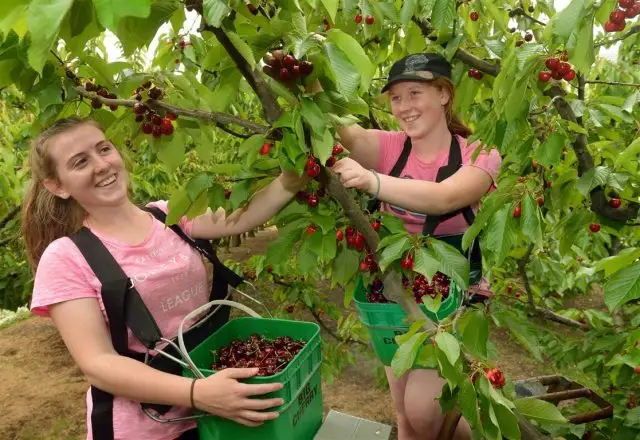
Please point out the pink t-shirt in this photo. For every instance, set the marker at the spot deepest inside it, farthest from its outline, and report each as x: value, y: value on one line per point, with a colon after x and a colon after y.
x: 171, y: 278
x: 391, y: 145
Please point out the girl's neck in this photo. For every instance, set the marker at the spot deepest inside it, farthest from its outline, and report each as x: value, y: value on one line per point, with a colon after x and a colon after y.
x: 113, y: 219
x: 428, y: 147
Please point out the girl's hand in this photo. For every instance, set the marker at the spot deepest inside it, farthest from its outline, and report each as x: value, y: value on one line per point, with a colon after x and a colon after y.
x: 353, y: 175
x: 221, y: 394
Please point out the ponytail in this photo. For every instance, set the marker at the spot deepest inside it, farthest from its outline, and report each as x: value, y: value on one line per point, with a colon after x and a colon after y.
x: 46, y: 217
x: 454, y: 123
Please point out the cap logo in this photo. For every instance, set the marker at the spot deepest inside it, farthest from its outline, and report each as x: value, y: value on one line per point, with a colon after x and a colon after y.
x: 416, y: 62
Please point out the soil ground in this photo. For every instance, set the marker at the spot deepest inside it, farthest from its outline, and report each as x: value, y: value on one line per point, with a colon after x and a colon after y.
x: 42, y: 391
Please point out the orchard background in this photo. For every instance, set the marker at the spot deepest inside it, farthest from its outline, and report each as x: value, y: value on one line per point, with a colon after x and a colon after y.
x: 201, y: 124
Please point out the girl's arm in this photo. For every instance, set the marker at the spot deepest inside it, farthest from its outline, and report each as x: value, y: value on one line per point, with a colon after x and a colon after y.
x: 84, y: 331
x: 464, y: 188
x: 264, y: 205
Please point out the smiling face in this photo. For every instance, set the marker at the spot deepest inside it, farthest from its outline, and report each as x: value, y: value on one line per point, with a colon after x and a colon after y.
x: 88, y: 168
x: 418, y: 107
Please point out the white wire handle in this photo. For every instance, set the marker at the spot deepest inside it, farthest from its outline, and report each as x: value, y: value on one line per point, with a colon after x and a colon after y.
x: 193, y: 313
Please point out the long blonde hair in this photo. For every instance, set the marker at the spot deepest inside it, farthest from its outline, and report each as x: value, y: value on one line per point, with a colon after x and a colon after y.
x: 46, y: 217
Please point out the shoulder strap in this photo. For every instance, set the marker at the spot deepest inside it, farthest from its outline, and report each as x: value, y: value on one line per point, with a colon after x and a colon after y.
x: 374, y: 204
x: 202, y: 246
x: 453, y: 165
x: 121, y: 300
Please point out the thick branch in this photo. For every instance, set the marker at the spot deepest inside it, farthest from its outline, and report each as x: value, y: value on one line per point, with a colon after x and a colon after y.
x: 216, y: 117
x: 634, y: 30
x: 267, y: 97
x: 612, y: 83
x: 331, y: 332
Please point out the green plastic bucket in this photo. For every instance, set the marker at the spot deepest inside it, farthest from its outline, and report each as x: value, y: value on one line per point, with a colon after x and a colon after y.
x: 301, y: 414
x: 385, y: 321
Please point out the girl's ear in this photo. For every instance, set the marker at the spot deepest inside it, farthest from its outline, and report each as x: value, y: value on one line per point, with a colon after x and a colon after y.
x: 445, y: 97
x: 54, y: 187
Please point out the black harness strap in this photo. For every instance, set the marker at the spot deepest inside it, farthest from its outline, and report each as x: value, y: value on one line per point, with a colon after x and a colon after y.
x: 126, y: 309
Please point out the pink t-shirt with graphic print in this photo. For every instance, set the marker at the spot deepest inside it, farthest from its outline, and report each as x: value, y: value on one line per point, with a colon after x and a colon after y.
x: 391, y: 145
x: 170, y: 277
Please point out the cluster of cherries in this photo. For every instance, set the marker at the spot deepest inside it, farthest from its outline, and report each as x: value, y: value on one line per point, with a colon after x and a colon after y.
x: 152, y: 122
x: 337, y: 151
x: 560, y: 69
x: 270, y: 356
x: 475, y: 74
x: 421, y: 286
x: 370, y: 19
x: 286, y: 68
x: 100, y: 91
x: 368, y: 263
x: 182, y: 44
x: 310, y: 198
x: 355, y: 239
x: 617, y: 19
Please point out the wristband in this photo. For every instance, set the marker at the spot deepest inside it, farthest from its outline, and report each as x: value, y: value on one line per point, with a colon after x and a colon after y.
x: 377, y: 180
x: 193, y: 384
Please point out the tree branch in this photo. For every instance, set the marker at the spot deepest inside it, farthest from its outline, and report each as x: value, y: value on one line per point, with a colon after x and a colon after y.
x: 10, y: 216
x: 216, y: 117
x: 634, y: 30
x: 612, y: 83
x: 267, y: 97
x: 477, y: 63
x: 521, y: 11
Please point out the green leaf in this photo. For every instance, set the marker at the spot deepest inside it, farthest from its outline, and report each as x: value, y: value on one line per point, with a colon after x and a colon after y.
x: 449, y: 345
x: 242, y: 47
x: 623, y: 286
x: 356, y: 54
x: 331, y: 7
x: 43, y: 21
x: 111, y: 11
x: 468, y: 402
x: 450, y: 372
x: 345, y: 266
x: 215, y: 11
x: 217, y: 197
x: 576, y: 128
x: 252, y: 145
x: 580, y: 46
x: 443, y: 14
x: 322, y: 145
x: 613, y: 264
x: 408, y: 8
x: 629, y: 157
x: 171, y: 153
x: 426, y: 263
x: 345, y: 74
x: 452, y: 262
x: 135, y: 32
x: 311, y: 113
x: 307, y: 258
x: 474, y: 327
x: 329, y: 247
x: 178, y: 205
x: 197, y: 184
x: 593, y: 178
x: 508, y: 422
x: 432, y: 304
x: 531, y: 226
x: 550, y: 152
x: 280, y: 250
x: 501, y: 233
x: 524, y: 334
x: 393, y: 252
x: 498, y: 16
x: 427, y: 357
x: 539, y: 410
x: 405, y: 356
x: 239, y: 193
x: 565, y: 22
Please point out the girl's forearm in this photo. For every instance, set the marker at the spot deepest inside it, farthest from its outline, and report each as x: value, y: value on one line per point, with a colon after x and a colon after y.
x: 133, y: 380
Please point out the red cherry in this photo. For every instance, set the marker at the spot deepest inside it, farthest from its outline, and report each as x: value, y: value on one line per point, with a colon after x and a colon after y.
x: 496, y: 378
x: 556, y: 75
x: 337, y: 150
x: 295, y: 71
x: 156, y: 120
x: 544, y: 76
x: 376, y: 225
x: 172, y: 116
x: 517, y: 212
x: 358, y: 18
x: 313, y: 171
x: 594, y: 227
x: 540, y: 201
x: 289, y: 61
x: 625, y: 3
x: 620, y: 27
x: 564, y: 68
x: 358, y: 241
x: 167, y: 127
x: 311, y: 161
x: 633, y: 11
x: 156, y: 131
x: 407, y: 262
x: 570, y: 75
x: 284, y: 74
x: 330, y: 162
x: 139, y: 108
x: 350, y: 231
x: 339, y: 235
x: 312, y: 200
x: 528, y: 36
x: 617, y: 16
x: 252, y: 8
x: 552, y: 63
x: 264, y: 149
x: 364, y: 267
x: 227, y: 194
x: 474, y: 15
x: 147, y: 128
x: 306, y: 67
x: 637, y: 369
x: 609, y: 27
x: 369, y: 20
x: 311, y: 229
x: 615, y: 203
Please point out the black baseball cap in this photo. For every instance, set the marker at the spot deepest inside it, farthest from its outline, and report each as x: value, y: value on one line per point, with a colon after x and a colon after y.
x: 421, y: 67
